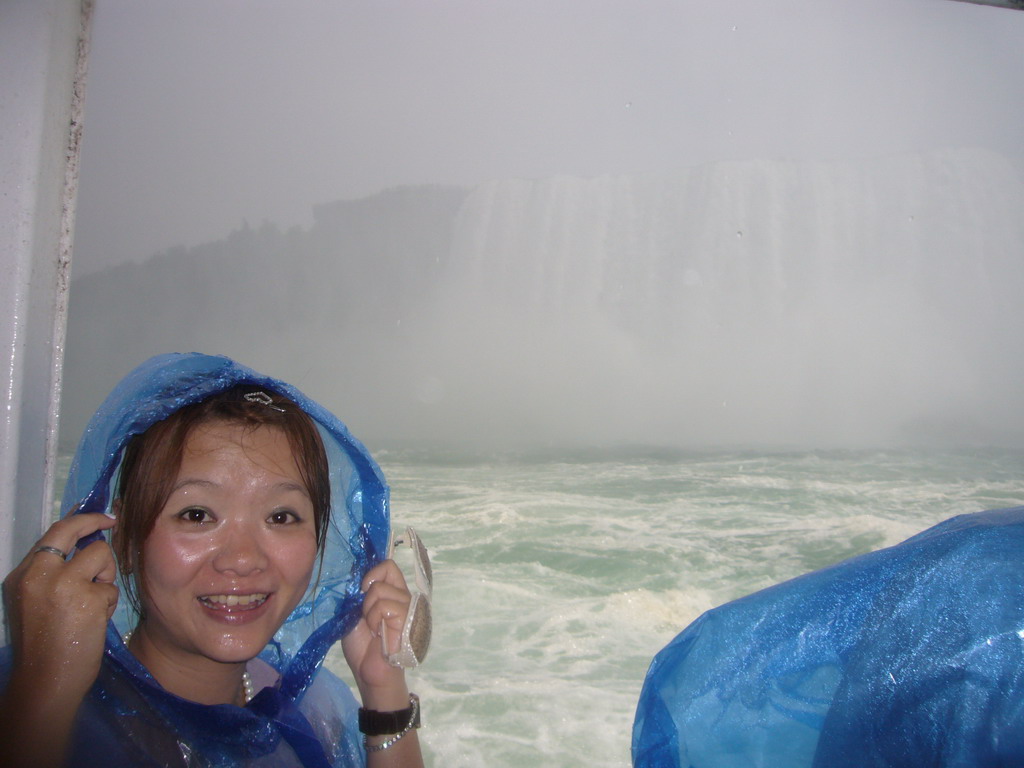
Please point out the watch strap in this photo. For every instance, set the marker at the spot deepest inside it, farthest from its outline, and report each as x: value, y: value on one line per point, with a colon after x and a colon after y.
x: 375, y: 723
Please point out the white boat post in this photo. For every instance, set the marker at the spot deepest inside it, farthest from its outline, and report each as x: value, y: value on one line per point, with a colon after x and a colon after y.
x: 43, y: 53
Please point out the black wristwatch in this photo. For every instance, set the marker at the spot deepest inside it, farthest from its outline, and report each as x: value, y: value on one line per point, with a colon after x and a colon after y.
x: 374, y: 723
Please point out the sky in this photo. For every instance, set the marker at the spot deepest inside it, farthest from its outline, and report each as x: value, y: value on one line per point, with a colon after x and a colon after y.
x: 202, y: 114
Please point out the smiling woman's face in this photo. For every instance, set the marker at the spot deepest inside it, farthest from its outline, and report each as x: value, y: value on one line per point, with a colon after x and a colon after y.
x: 232, y: 551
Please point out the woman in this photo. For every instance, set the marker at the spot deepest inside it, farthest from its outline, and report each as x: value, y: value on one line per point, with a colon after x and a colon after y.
x: 247, y: 529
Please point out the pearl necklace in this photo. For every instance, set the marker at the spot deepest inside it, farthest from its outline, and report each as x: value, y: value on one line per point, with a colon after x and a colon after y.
x: 248, y: 690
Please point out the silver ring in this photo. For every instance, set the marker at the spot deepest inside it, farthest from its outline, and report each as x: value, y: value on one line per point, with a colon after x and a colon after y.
x: 52, y: 550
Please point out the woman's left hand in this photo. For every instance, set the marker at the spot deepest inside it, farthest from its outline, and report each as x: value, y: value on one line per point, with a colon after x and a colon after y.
x: 381, y: 686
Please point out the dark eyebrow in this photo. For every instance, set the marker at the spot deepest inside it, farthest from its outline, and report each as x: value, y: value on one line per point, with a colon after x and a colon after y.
x: 285, y: 486
x: 292, y: 487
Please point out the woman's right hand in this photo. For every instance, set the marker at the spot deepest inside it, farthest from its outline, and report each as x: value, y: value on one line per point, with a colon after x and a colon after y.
x: 57, y: 613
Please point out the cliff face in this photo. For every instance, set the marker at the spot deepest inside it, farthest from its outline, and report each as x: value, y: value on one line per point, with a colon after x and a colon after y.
x: 764, y: 302
x: 271, y: 299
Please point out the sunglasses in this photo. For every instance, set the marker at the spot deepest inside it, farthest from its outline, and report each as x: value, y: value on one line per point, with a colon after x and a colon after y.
x: 415, y: 641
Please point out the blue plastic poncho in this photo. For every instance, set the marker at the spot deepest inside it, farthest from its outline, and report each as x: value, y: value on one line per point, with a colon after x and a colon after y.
x: 309, y: 718
x: 910, y: 656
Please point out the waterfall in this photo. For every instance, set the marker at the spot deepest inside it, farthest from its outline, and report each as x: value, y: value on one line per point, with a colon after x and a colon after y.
x: 766, y: 302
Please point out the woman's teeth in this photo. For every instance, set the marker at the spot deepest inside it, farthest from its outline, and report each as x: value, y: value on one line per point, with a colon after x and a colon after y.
x: 232, y: 600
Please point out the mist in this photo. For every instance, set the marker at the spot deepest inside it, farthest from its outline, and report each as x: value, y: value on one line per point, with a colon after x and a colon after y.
x: 572, y: 224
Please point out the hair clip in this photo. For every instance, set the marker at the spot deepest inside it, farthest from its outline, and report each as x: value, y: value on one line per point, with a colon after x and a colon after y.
x: 262, y: 398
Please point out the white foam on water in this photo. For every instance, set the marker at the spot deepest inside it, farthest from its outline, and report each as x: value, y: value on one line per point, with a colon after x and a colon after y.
x: 557, y: 582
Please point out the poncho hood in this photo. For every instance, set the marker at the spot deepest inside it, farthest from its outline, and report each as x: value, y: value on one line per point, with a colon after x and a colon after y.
x: 356, y: 540
x: 904, y: 657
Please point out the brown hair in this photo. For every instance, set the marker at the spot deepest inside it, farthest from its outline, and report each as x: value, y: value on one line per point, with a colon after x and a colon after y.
x: 152, y: 460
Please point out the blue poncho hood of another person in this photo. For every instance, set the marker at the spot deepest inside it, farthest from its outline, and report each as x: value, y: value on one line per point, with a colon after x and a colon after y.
x: 356, y: 540
x: 905, y: 657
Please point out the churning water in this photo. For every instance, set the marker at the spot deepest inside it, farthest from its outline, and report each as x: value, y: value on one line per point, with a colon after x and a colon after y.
x: 557, y: 579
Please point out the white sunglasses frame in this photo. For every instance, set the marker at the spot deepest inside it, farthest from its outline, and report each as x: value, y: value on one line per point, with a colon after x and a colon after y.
x: 418, y: 627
